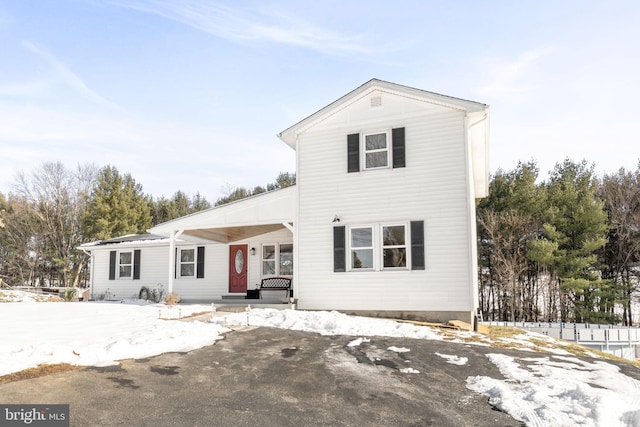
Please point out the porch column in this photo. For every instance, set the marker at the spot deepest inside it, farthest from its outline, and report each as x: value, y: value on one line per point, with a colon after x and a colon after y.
x: 172, y: 258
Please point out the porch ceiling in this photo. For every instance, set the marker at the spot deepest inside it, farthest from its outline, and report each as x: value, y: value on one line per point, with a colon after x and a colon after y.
x: 232, y: 234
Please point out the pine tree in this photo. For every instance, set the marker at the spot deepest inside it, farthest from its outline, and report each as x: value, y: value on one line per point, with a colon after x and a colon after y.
x: 575, y: 227
x: 117, y: 206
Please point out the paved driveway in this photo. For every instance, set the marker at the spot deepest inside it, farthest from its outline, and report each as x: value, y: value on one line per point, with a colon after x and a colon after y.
x: 273, y: 377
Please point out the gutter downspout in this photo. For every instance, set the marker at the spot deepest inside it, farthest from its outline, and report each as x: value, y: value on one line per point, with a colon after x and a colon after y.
x: 91, y: 264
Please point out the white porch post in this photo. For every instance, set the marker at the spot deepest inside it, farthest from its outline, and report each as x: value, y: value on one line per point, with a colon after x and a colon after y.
x: 172, y: 258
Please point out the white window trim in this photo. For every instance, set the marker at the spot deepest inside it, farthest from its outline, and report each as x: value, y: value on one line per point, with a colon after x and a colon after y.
x: 378, y: 248
x: 364, y: 152
x: 276, y: 259
x: 406, y: 246
x: 179, y: 262
x: 373, y: 247
x: 120, y: 265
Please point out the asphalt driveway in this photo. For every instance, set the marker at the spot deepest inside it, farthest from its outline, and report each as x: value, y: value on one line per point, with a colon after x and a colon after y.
x: 274, y: 377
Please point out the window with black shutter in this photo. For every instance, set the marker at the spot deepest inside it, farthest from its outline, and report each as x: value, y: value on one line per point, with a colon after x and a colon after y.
x: 417, y: 245
x: 397, y: 136
x: 112, y: 265
x: 353, y: 153
x: 136, y: 264
x: 200, y: 264
x: 339, y: 250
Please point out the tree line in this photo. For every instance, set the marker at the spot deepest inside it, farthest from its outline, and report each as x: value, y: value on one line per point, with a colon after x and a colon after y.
x: 53, y: 210
x: 563, y: 249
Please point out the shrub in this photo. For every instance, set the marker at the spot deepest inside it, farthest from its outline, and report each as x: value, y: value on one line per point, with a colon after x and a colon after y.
x: 155, y: 295
x: 69, y: 294
x: 172, y: 299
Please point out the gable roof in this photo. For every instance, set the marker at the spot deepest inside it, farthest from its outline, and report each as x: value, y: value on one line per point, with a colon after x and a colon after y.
x: 289, y: 134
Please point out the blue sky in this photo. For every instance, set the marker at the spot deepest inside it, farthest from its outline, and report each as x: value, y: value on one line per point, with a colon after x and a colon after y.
x: 189, y: 95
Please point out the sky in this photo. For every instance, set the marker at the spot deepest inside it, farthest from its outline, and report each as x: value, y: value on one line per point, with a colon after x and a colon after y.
x: 552, y: 389
x: 190, y: 95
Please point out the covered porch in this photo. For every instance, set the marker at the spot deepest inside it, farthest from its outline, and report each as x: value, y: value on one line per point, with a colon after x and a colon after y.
x: 237, y: 245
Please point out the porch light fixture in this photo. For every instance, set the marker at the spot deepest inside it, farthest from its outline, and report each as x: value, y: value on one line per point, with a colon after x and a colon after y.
x: 253, y: 251
x: 336, y: 218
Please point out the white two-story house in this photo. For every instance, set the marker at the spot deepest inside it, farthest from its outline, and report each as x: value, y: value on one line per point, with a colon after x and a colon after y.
x: 381, y: 220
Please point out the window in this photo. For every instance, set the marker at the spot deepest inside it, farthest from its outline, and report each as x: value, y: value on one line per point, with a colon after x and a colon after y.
x: 378, y: 247
x: 187, y: 262
x: 286, y: 260
x: 376, y: 150
x: 361, y: 240
x: 125, y: 265
x: 277, y: 259
x: 269, y: 260
x: 394, y: 246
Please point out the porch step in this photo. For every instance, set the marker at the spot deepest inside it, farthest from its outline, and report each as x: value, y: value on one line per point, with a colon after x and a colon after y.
x: 233, y: 296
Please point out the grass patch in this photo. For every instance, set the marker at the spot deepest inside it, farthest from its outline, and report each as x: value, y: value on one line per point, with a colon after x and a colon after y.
x: 39, y: 371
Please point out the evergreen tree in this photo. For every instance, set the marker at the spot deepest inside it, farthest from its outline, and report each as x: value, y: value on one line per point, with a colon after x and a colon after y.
x: 117, y: 206
x: 575, y: 227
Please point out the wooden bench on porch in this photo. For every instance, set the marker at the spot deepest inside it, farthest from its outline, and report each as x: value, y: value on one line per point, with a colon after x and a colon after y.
x: 276, y: 284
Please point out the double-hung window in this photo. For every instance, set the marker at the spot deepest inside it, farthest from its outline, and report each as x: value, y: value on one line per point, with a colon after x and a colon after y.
x: 277, y: 259
x: 125, y: 265
x: 377, y: 247
x: 361, y: 240
x: 187, y: 262
x: 394, y: 246
x: 376, y: 150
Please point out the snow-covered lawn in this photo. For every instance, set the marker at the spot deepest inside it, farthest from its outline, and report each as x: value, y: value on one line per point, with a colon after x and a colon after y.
x: 556, y: 390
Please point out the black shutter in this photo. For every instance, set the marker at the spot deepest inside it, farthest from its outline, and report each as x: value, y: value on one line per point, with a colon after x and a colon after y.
x: 200, y: 264
x: 397, y: 136
x: 353, y: 153
x: 112, y: 265
x: 339, y: 252
x: 136, y: 264
x: 175, y: 265
x: 417, y: 245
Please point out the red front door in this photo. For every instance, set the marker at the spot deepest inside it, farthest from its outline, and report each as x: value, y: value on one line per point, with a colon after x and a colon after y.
x: 238, y: 268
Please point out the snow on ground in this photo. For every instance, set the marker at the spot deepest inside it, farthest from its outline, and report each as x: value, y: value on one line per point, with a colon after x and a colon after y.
x: 556, y: 390
x: 95, y: 333
x: 453, y: 359
x: 561, y: 391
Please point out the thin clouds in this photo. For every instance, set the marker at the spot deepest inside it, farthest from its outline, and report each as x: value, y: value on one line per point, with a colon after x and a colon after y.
x: 243, y: 25
x: 510, y: 76
x: 69, y: 77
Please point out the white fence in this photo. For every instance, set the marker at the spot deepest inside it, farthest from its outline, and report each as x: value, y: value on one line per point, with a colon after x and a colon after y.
x: 622, y: 341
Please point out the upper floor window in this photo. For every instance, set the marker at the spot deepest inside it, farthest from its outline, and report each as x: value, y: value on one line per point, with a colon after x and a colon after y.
x: 376, y: 150
x: 125, y: 265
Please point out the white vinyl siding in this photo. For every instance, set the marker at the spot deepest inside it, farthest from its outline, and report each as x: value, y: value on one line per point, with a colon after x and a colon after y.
x: 433, y: 187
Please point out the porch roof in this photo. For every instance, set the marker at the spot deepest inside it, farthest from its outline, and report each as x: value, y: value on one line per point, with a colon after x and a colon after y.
x: 238, y: 220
